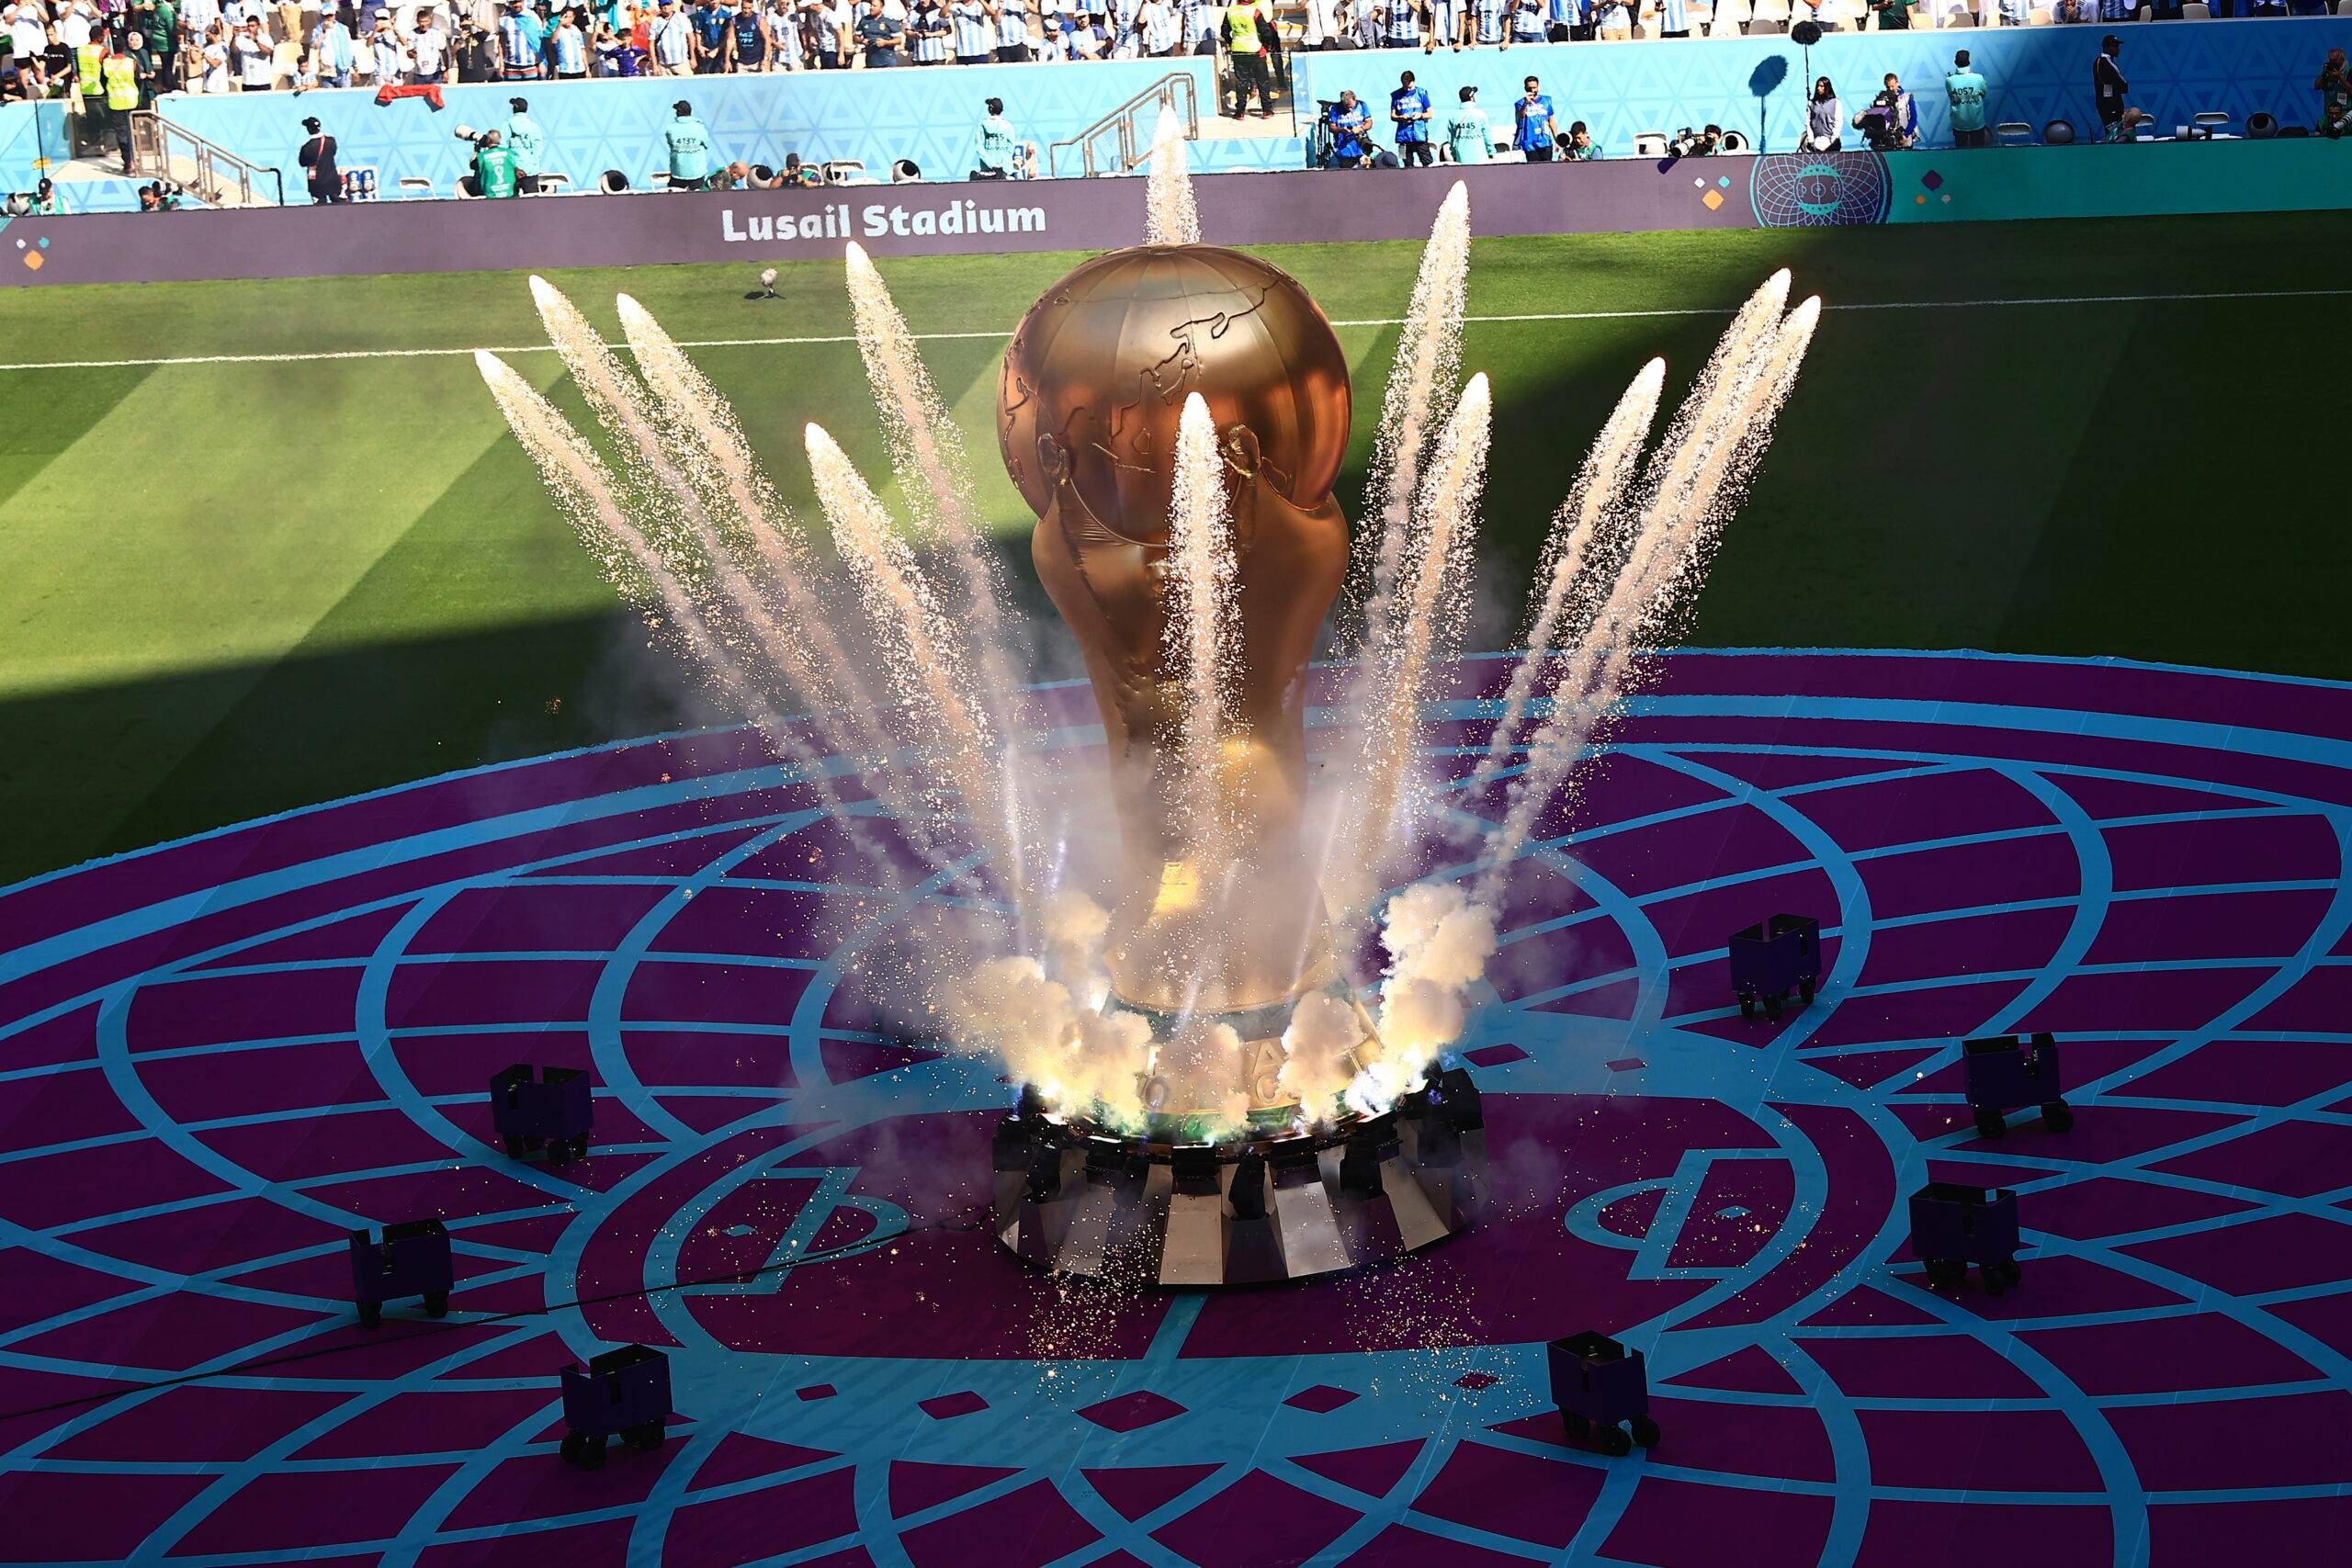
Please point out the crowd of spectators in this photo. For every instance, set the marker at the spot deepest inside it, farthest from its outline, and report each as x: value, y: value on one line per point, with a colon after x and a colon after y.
x: 1348, y: 133
x: 222, y: 46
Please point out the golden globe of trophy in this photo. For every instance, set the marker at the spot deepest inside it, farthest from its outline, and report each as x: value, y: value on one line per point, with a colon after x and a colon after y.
x: 1094, y: 384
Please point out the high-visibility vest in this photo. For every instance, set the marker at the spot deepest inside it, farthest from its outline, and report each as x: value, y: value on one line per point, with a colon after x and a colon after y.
x: 1241, y: 22
x: 89, y: 63
x: 122, y: 83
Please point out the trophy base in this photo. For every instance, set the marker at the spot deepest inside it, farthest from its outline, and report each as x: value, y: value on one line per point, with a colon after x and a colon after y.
x: 1137, y: 1213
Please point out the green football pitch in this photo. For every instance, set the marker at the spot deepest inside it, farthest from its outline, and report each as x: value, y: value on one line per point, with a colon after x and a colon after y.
x: 266, y: 544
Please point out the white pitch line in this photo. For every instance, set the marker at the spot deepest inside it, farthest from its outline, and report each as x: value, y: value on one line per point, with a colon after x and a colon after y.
x: 324, y: 355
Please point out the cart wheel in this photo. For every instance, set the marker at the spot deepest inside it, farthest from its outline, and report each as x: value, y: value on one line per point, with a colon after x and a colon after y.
x: 2058, y: 1116
x: 1946, y: 1272
x: 1772, y: 1006
x: 1991, y: 1124
x: 1805, y: 989
x: 1615, y: 1442
x: 580, y: 1146
x: 437, y: 1303
x: 592, y: 1452
x: 558, y: 1151
x: 575, y: 1448
x: 1645, y: 1431
x: 2012, y: 1270
x: 1747, y: 1006
x: 513, y: 1148
x: 1577, y: 1425
x: 370, y: 1313
x: 648, y: 1436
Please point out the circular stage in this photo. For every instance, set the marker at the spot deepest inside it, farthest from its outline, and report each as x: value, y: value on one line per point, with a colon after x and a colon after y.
x: 218, y: 1056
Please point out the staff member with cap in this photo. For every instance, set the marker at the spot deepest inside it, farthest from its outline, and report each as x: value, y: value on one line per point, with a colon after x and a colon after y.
x: 689, y: 143
x: 318, y: 156
x: 527, y: 142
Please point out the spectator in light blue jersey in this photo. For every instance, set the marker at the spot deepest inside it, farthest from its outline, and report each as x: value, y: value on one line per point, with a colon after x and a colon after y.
x: 332, y: 53
x: 1527, y: 21
x: 520, y: 39
x: 927, y: 33
x: 1202, y: 19
x: 1674, y: 19
x: 567, y: 49
x: 1446, y: 21
x: 1490, y: 22
x: 1160, y: 30
x: 971, y: 36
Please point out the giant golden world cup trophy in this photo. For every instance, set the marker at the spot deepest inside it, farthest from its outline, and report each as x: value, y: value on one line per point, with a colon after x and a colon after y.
x: 1093, y: 386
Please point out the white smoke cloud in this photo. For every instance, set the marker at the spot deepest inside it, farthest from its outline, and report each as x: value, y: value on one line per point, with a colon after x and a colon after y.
x: 1439, y: 941
x: 1073, y: 927
x: 1318, y: 1049
x: 1434, y: 932
x: 1081, y: 1059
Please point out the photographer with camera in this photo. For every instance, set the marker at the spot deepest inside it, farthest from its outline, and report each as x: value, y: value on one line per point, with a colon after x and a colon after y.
x: 2334, y: 89
x: 1350, y: 125
x: 495, y: 173
x: 1704, y: 143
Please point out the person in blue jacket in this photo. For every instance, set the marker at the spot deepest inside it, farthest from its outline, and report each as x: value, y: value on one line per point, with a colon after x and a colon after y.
x: 1350, y: 122
x: 1409, y: 106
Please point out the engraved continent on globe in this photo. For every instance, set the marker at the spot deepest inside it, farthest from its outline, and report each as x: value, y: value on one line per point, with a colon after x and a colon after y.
x: 1097, y: 374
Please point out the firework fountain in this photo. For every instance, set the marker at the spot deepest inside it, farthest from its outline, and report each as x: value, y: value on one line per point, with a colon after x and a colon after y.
x: 1209, y: 1092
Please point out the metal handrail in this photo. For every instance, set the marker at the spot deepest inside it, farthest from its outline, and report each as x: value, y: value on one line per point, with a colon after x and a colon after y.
x: 217, y: 169
x: 1174, y: 91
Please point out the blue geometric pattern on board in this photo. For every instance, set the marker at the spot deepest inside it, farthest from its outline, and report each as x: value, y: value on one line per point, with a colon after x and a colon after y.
x: 877, y: 116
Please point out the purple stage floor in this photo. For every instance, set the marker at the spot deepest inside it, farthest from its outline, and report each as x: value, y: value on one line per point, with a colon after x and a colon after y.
x: 218, y: 1055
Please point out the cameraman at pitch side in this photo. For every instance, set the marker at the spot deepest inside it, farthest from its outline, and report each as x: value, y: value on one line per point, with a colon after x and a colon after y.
x: 495, y: 175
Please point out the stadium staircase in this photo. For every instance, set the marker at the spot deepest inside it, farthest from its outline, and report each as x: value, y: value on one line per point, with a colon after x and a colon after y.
x: 161, y: 148
x: 1120, y: 142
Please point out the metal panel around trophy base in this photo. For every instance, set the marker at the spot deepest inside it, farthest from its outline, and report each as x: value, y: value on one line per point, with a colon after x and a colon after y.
x: 1076, y: 1201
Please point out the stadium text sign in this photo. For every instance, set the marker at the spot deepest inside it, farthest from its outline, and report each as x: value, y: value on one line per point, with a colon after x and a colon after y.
x: 935, y: 218
x: 877, y: 220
